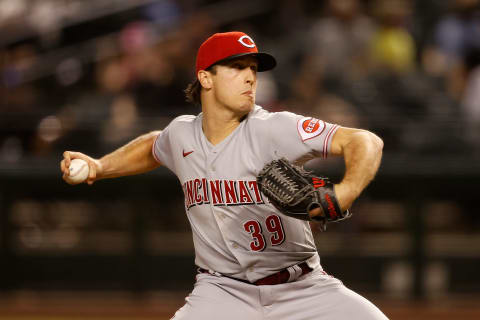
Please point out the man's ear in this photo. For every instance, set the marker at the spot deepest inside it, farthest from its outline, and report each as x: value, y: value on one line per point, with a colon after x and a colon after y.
x: 205, y: 79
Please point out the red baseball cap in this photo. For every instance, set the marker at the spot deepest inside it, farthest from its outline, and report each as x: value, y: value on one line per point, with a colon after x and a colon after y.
x: 221, y: 47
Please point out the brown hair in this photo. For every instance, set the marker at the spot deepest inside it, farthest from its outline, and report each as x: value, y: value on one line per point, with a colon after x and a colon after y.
x: 192, y: 92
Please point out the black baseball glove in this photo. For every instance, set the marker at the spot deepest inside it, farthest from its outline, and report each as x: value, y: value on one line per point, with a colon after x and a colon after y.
x: 294, y: 192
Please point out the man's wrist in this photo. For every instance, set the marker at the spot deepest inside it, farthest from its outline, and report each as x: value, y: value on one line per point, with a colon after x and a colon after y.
x: 346, y: 194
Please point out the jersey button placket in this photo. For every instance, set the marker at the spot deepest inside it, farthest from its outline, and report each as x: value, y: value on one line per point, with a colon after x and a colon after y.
x: 211, y: 176
x: 210, y: 165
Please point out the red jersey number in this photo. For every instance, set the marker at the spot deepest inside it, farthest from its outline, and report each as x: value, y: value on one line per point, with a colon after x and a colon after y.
x: 255, y: 229
x: 274, y: 227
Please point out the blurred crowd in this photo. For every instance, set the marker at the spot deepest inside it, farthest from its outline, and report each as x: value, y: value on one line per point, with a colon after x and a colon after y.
x: 90, y: 76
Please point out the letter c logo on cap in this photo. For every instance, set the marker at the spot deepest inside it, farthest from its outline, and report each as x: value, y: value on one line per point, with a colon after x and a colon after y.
x: 247, y: 41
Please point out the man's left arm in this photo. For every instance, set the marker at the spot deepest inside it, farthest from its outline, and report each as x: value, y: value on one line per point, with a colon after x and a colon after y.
x: 362, y: 153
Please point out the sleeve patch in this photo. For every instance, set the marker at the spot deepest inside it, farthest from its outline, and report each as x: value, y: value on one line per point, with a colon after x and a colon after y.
x: 309, y: 128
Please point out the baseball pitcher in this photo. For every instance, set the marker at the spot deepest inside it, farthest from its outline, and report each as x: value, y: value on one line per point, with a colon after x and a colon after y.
x: 247, y: 198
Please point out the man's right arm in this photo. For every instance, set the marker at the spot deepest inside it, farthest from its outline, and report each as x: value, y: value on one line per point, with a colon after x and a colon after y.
x: 133, y: 158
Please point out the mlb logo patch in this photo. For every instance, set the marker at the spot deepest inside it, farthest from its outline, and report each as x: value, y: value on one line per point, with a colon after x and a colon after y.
x: 309, y: 128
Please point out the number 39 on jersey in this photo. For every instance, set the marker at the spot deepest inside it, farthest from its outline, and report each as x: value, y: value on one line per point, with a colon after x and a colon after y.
x: 274, y: 232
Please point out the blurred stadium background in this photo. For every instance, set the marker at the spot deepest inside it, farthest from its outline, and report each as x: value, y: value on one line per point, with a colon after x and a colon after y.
x: 91, y: 75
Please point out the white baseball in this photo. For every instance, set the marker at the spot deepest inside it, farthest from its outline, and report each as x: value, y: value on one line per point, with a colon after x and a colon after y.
x: 78, y: 171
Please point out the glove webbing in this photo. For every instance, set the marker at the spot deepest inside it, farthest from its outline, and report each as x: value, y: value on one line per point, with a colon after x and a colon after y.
x: 278, y: 187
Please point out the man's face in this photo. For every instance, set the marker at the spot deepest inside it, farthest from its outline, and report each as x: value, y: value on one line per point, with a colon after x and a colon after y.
x: 235, y: 84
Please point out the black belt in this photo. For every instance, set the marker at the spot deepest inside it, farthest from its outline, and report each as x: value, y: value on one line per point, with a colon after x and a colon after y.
x: 277, y: 278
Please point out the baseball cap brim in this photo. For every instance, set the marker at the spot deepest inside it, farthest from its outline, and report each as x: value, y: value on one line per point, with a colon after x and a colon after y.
x: 265, y: 61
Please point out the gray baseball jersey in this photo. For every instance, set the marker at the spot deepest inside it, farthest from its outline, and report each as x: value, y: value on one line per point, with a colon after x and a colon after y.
x: 236, y: 232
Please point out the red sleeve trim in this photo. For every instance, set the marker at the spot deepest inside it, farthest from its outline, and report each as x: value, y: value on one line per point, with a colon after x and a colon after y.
x: 327, y: 139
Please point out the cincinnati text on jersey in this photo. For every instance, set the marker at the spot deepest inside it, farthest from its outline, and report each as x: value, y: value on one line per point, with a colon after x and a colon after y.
x: 221, y: 192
